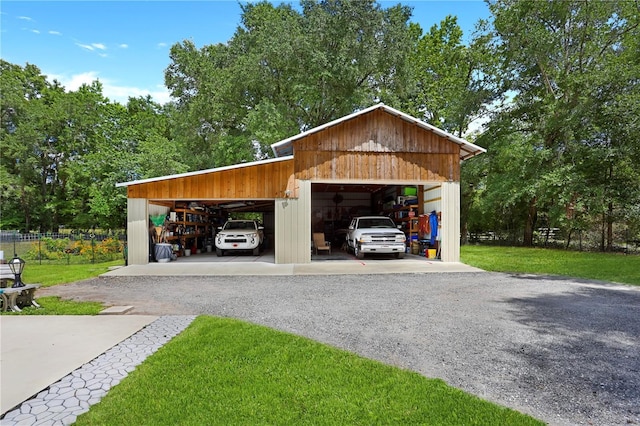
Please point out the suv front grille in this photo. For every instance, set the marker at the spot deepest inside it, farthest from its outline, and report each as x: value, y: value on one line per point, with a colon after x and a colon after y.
x: 382, y: 238
x: 235, y: 240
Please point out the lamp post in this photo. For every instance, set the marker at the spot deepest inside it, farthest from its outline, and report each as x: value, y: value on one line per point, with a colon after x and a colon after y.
x: 17, y: 265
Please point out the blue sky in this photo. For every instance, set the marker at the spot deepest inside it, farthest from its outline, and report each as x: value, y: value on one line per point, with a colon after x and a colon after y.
x: 125, y: 44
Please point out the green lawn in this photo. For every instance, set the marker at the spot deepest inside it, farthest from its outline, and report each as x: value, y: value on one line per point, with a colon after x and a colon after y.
x: 223, y: 371
x: 49, y: 275
x: 55, y: 306
x: 618, y: 268
x: 598, y: 266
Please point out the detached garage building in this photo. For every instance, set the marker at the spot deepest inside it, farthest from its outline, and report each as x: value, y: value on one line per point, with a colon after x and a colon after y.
x: 358, y: 164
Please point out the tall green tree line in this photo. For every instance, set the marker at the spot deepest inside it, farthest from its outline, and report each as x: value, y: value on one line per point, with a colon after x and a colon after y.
x: 63, y: 152
x: 562, y: 151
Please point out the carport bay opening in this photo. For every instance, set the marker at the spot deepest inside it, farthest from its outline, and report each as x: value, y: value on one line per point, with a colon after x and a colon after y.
x: 190, y: 226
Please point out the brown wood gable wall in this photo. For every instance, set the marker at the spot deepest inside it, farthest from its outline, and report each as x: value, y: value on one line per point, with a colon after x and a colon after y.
x: 261, y: 181
x: 376, y: 146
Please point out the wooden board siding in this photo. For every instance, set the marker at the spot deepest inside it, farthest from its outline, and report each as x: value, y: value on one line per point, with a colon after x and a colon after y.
x: 377, y: 146
x: 261, y: 181
x: 345, y: 166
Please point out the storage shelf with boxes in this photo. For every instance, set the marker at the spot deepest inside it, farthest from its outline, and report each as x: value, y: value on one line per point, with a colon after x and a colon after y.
x: 181, y: 229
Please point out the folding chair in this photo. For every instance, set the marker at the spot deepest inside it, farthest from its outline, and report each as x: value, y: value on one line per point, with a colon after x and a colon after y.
x: 320, y: 244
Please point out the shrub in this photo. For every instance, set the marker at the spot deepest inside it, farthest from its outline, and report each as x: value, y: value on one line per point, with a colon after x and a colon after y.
x: 84, y: 250
x: 48, y: 249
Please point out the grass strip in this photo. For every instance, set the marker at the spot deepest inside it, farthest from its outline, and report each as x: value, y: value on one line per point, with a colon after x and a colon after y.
x: 53, y: 305
x: 223, y: 371
x: 612, y: 267
x: 49, y: 275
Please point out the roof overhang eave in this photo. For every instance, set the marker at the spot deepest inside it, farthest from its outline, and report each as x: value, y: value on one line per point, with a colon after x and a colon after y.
x: 201, y: 172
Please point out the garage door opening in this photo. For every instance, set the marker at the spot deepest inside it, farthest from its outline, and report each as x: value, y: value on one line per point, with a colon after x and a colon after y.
x: 334, y: 205
x: 186, y: 230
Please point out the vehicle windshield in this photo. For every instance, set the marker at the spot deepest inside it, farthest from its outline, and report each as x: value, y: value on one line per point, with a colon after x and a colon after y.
x: 377, y: 222
x: 240, y: 225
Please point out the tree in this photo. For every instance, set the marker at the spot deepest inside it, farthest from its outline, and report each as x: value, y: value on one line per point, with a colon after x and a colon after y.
x: 566, y: 73
x: 17, y: 87
x: 291, y: 69
x: 63, y: 152
x: 31, y: 108
x: 453, y: 84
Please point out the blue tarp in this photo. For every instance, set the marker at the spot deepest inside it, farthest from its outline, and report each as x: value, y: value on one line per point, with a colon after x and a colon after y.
x: 433, y: 224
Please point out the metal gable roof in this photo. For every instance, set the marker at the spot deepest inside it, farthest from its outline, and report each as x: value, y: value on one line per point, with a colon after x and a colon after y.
x: 467, y: 149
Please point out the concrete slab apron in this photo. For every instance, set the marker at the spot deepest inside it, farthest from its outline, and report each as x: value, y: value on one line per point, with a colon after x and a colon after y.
x: 346, y: 267
x: 40, y: 350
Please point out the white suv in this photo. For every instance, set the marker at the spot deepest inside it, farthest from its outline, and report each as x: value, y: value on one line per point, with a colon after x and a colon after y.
x: 240, y: 235
x: 375, y: 234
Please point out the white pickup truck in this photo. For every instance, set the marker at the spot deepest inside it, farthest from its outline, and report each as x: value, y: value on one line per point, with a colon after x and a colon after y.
x: 239, y: 235
x: 375, y: 234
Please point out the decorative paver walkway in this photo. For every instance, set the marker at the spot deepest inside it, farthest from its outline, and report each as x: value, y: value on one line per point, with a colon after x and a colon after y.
x: 65, y: 400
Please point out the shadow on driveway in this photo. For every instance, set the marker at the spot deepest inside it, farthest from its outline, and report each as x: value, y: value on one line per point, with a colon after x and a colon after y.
x: 587, y: 344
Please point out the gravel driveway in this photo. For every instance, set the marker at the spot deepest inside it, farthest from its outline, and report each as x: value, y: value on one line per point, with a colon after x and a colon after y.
x: 565, y: 351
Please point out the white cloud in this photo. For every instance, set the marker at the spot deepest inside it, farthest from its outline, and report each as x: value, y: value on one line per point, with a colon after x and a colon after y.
x: 123, y: 46
x: 477, y: 126
x: 74, y: 82
x: 85, y: 46
x: 92, y: 46
x: 35, y: 31
x: 58, y: 33
x: 120, y: 94
x: 162, y: 45
x: 25, y: 18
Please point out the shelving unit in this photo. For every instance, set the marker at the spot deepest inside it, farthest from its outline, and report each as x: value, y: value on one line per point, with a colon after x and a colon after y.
x: 412, y: 229
x: 407, y: 217
x: 190, y: 228
x: 188, y: 224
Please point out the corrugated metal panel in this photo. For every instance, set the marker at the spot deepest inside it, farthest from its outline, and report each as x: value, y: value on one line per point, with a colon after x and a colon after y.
x: 432, y: 198
x: 137, y: 231
x: 450, y: 242
x: 155, y: 210
x: 293, y: 227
